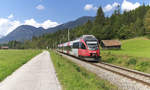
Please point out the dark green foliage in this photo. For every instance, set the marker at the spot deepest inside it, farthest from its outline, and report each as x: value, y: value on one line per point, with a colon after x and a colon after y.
x: 142, y: 66
x: 111, y: 59
x: 100, y: 18
x: 131, y: 61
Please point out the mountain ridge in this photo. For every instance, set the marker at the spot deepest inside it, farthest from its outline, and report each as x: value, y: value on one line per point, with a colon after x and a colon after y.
x: 26, y: 32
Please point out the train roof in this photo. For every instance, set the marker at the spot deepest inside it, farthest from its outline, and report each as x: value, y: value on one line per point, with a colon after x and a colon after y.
x: 89, y: 37
x: 84, y: 37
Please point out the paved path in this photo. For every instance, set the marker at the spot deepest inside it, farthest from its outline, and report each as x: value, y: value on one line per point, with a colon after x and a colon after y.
x: 37, y: 74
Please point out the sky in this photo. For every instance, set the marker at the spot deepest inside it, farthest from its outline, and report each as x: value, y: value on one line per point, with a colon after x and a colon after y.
x: 50, y: 13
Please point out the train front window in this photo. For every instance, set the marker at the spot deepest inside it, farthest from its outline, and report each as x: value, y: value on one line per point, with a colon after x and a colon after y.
x: 83, y: 46
x: 92, y: 45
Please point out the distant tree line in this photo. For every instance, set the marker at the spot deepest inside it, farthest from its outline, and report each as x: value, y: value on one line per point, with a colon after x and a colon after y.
x: 128, y: 24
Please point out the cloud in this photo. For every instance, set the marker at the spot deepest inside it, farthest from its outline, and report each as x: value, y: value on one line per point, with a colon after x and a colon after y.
x: 128, y: 6
x: 110, y: 7
x: 31, y: 22
x: 46, y: 24
x: 10, y: 16
x: 40, y: 7
x: 89, y: 7
x: 7, y: 25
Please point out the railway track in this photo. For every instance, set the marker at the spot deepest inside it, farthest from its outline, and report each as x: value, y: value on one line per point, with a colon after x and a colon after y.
x: 138, y: 77
x: 130, y: 74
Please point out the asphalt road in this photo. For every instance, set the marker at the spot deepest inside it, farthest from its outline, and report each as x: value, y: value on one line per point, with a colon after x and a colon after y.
x: 37, y: 74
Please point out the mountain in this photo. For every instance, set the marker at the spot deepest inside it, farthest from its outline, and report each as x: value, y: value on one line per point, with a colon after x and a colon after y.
x: 1, y: 36
x: 26, y: 32
x: 21, y: 33
x: 72, y: 24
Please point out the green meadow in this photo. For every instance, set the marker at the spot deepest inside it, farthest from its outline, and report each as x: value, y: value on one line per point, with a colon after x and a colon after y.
x: 138, y: 47
x: 10, y: 60
x: 134, y: 54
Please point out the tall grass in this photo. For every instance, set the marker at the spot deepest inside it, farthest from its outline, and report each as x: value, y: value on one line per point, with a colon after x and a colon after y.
x: 10, y: 60
x: 74, y: 77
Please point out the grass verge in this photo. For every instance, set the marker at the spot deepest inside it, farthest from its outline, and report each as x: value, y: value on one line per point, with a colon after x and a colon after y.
x: 135, y: 54
x: 10, y: 60
x: 131, y: 62
x: 74, y: 77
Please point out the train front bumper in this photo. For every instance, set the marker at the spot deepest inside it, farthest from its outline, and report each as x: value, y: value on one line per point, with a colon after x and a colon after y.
x: 92, y: 58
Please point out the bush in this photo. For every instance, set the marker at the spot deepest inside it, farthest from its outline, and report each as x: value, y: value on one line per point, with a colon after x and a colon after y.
x: 142, y: 66
x: 119, y: 61
x: 131, y: 61
x: 148, y: 36
x: 111, y: 59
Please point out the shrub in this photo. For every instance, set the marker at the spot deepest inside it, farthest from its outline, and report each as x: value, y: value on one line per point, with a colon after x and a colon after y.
x: 119, y: 61
x: 111, y: 59
x: 142, y: 66
x: 131, y: 61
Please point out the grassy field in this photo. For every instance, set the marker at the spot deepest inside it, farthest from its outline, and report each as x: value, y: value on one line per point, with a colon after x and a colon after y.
x: 138, y: 47
x: 10, y: 60
x: 135, y: 54
x: 73, y: 77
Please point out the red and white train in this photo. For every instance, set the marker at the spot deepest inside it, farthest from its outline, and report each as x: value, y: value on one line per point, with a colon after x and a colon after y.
x: 86, y: 47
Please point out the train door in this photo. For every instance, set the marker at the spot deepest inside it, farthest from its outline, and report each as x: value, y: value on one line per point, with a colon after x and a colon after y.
x: 83, y: 50
x: 75, y: 48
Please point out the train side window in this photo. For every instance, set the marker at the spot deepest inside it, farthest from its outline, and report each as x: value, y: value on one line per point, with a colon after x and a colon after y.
x: 76, y: 45
x: 83, y: 46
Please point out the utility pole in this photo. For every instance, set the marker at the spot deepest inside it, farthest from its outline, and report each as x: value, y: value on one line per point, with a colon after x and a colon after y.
x: 59, y: 41
x: 68, y: 35
x: 63, y: 39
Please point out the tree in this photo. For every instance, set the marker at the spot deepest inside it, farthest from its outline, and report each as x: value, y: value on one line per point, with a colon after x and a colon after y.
x: 125, y: 32
x: 147, y: 21
x: 100, y: 17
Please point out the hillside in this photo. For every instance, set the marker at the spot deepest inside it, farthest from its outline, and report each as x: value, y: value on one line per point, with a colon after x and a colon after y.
x: 135, y: 54
x: 138, y: 47
x: 21, y: 33
x: 72, y: 24
x: 26, y: 32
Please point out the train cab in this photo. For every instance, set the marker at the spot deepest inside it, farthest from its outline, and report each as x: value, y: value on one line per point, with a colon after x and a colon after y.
x: 89, y: 48
x: 86, y: 47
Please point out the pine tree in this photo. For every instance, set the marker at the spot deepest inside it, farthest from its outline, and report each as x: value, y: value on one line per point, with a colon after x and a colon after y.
x: 147, y: 21
x: 100, y: 18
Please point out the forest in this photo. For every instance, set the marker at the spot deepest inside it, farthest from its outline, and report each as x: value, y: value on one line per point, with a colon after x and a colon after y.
x: 120, y: 25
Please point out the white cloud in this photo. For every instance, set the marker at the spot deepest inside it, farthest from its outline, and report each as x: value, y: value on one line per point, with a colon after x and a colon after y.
x: 128, y: 6
x: 115, y: 4
x: 40, y: 7
x: 7, y: 25
x: 110, y: 7
x: 89, y: 7
x: 31, y: 22
x: 10, y: 16
x: 46, y: 24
